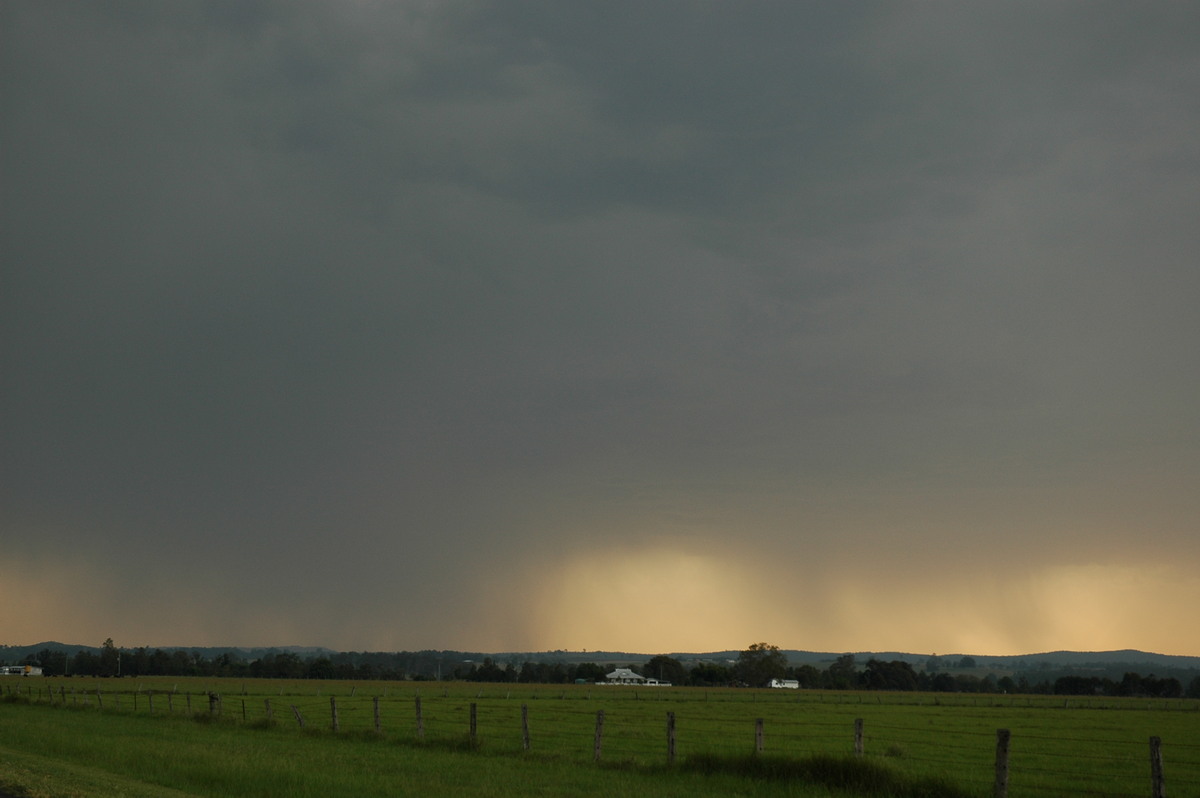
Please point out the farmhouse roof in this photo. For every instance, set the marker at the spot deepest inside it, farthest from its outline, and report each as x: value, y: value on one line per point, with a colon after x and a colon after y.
x: 624, y: 675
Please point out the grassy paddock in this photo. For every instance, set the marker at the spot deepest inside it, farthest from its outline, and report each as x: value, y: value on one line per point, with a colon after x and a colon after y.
x: 918, y: 744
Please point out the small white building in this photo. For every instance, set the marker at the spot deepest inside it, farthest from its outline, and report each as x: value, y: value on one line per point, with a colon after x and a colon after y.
x: 20, y: 670
x: 786, y: 684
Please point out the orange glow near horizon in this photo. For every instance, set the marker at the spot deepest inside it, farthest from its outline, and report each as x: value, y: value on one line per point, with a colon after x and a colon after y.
x: 653, y: 600
x: 661, y: 600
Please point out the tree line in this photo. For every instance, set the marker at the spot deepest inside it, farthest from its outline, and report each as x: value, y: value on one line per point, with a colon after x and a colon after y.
x: 756, y: 666
x: 1131, y: 684
x: 762, y: 662
x: 111, y: 661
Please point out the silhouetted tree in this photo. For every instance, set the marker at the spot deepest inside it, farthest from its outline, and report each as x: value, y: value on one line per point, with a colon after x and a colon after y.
x: 806, y: 675
x: 759, y: 664
x: 319, y: 668
x: 160, y: 663
x: 137, y: 663
x: 588, y: 671
x: 52, y: 663
x: 1079, y: 685
x: 843, y: 674
x: 85, y: 663
x: 944, y: 683
x: 489, y: 671
x: 710, y: 674
x: 110, y: 659
x: 894, y: 675
x: 665, y: 669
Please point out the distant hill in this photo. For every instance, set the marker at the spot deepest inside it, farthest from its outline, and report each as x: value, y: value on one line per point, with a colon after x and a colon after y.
x: 1051, y: 661
x: 1126, y: 655
x: 14, y: 654
x: 822, y: 659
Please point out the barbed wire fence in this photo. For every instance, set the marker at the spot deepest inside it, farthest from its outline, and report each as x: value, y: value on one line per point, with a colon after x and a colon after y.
x: 627, y: 726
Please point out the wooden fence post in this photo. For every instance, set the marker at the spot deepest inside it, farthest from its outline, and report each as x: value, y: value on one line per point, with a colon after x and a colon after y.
x: 671, y: 738
x: 188, y: 696
x: 378, y: 725
x: 474, y: 726
x: 525, y: 727
x: 99, y: 699
x: 858, y: 736
x: 333, y: 712
x: 299, y: 717
x: 170, y: 704
x: 420, y: 721
x: 1158, y: 787
x: 243, y: 707
x: 150, y: 698
x: 1000, y: 790
x: 599, y: 735
x: 214, y: 704
x: 758, y: 735
x: 267, y: 703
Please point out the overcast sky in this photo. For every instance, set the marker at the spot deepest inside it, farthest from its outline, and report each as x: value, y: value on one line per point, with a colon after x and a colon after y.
x: 668, y: 326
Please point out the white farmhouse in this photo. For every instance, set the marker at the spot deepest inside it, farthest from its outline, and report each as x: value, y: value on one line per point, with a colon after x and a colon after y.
x: 624, y: 676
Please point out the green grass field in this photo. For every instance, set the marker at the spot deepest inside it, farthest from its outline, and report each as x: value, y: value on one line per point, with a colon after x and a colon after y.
x: 151, y: 737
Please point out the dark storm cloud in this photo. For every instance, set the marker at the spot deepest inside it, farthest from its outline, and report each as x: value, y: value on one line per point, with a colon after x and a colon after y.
x: 395, y: 293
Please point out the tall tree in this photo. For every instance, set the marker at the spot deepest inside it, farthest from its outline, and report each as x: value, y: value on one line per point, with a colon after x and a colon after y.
x: 52, y: 663
x: 843, y: 673
x: 894, y: 675
x: 665, y: 669
x: 589, y: 671
x: 110, y: 659
x: 759, y: 664
x: 710, y: 674
x: 84, y: 663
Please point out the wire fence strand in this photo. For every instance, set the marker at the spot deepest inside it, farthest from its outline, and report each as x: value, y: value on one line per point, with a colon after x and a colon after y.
x: 1104, y: 754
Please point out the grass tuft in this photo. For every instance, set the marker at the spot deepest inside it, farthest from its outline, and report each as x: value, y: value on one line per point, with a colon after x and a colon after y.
x: 839, y: 772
